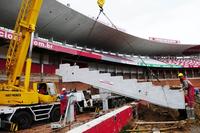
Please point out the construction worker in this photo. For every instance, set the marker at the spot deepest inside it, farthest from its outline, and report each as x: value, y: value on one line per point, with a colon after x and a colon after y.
x: 188, y: 89
x: 43, y: 89
x: 63, y: 101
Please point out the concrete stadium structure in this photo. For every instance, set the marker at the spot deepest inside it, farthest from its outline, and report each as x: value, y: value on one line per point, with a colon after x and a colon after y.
x: 64, y: 24
x: 66, y: 33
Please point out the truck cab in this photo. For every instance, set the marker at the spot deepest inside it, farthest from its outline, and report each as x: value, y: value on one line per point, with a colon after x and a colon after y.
x: 47, y: 92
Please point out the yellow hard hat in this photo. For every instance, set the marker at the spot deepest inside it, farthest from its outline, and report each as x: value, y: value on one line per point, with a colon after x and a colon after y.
x: 180, y: 75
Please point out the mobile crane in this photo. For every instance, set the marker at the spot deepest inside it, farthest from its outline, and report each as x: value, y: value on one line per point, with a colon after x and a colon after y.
x: 20, y: 103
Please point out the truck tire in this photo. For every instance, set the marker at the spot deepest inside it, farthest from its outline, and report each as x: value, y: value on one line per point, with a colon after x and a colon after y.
x: 23, y: 119
x: 55, y: 114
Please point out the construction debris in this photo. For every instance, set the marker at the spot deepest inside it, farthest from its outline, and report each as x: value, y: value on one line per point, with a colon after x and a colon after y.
x: 157, y: 119
x: 160, y: 122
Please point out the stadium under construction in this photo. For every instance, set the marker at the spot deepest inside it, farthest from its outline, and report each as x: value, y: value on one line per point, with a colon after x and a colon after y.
x: 131, y: 82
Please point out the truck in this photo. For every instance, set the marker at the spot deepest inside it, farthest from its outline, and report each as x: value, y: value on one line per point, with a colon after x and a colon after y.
x: 87, y: 101
x: 21, y: 103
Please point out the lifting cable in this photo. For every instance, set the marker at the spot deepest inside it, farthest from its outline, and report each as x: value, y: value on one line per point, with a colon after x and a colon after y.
x: 110, y: 20
x: 89, y: 34
x: 149, y: 70
x: 100, y: 4
x: 64, y: 12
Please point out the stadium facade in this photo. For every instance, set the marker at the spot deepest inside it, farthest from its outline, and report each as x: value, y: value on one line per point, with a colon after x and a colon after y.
x: 65, y: 35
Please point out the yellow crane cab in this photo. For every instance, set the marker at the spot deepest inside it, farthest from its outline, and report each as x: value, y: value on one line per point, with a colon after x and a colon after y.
x: 47, y: 92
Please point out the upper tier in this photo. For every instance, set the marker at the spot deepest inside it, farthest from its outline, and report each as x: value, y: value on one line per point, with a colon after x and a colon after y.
x: 65, y: 24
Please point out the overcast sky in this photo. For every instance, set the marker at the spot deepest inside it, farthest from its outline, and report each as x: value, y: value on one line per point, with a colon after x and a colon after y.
x: 169, y: 19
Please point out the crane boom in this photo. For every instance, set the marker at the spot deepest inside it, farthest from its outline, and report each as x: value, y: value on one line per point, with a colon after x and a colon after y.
x: 12, y: 92
x: 19, y: 45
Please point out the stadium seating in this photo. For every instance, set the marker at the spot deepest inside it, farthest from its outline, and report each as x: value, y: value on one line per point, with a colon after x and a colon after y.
x: 191, y: 62
x: 35, y: 68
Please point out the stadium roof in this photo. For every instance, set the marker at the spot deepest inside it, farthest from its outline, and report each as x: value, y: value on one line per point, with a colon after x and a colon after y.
x: 65, y: 24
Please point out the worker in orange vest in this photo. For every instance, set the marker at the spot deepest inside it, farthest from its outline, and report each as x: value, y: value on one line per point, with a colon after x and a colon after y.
x: 189, y: 91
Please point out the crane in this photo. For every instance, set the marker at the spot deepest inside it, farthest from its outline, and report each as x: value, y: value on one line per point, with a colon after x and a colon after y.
x: 12, y: 92
x: 20, y: 103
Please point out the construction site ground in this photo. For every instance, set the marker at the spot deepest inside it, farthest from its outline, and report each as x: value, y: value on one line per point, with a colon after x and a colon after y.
x: 45, y: 126
x: 156, y: 119
x: 150, y: 118
x: 80, y: 119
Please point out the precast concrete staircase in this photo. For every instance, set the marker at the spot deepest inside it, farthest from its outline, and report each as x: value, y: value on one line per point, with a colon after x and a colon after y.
x: 158, y: 95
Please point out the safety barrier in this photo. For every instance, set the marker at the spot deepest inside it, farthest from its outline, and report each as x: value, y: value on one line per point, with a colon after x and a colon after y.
x: 111, y: 122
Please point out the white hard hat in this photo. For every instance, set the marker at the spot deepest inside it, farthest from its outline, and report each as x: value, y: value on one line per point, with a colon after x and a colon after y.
x: 63, y: 89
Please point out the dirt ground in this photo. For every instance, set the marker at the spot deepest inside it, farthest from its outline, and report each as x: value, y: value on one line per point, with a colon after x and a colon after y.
x: 41, y: 127
x: 153, y: 118
x: 46, y: 128
x: 146, y: 113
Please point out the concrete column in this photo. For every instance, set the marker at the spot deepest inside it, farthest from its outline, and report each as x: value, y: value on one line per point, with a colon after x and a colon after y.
x: 42, y: 67
x: 104, y: 94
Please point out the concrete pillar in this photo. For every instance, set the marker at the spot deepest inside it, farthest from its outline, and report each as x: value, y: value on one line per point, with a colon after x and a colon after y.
x: 104, y: 95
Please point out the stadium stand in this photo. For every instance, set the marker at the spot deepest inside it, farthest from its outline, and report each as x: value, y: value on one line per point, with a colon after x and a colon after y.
x: 2, y: 66
x: 128, y: 66
x: 35, y: 68
x: 186, y: 62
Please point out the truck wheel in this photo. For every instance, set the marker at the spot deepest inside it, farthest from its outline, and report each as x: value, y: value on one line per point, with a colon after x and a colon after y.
x: 23, y: 119
x: 55, y: 114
